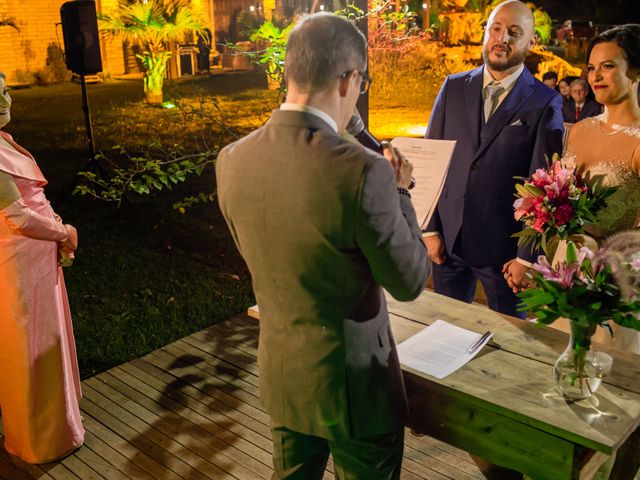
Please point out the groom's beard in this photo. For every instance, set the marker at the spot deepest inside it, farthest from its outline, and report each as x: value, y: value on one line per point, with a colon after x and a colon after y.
x: 514, y: 60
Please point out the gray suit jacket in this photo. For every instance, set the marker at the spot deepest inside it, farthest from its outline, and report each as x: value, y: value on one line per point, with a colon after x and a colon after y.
x: 321, y: 226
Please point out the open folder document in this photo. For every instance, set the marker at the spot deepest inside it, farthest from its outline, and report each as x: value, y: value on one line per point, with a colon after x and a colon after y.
x: 430, y: 159
x: 441, y: 348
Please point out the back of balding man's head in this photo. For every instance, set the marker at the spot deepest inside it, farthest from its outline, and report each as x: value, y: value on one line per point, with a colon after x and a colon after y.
x: 321, y: 48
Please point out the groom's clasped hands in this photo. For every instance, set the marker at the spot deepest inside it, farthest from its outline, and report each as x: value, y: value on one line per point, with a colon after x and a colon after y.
x: 516, y: 275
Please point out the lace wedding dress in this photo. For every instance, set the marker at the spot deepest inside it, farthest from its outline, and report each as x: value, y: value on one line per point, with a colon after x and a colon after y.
x: 608, y: 151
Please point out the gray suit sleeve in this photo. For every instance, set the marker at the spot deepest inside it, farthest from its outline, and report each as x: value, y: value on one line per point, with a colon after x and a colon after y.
x: 388, y: 234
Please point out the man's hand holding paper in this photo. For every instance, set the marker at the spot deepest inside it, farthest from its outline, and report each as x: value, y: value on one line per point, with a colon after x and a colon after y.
x: 430, y: 161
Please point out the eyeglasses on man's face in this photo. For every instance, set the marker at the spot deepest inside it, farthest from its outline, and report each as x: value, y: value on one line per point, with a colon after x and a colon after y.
x: 366, y: 80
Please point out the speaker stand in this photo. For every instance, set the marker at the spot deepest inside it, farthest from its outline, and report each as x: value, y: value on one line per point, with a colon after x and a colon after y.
x: 93, y: 164
x: 87, y: 118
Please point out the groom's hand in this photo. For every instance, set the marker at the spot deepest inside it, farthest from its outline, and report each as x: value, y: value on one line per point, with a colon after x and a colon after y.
x: 515, y: 274
x: 435, y: 248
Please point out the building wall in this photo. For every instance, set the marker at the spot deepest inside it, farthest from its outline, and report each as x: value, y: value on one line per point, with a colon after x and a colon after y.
x: 23, y: 53
x: 113, y: 58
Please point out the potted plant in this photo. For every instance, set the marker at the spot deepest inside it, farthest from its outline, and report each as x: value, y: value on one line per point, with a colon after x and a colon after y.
x: 153, y: 24
x: 271, y: 41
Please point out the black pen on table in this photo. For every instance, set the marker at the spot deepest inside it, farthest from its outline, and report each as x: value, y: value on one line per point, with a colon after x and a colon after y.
x: 479, y: 342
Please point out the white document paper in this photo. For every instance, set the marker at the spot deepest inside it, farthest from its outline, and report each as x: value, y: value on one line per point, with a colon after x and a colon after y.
x: 430, y: 159
x: 440, y: 349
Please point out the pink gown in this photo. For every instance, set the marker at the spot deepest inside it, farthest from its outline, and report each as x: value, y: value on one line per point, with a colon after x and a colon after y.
x: 39, y: 379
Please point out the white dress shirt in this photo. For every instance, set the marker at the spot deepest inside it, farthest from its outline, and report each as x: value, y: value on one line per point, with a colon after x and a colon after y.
x: 294, y: 107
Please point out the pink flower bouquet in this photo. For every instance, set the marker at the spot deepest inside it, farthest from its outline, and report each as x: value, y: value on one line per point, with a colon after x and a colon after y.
x: 555, y: 203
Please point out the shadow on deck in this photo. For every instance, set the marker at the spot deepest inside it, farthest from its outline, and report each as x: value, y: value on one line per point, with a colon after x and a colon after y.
x: 191, y: 411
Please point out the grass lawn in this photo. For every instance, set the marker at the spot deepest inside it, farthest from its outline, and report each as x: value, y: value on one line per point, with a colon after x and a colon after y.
x: 144, y: 274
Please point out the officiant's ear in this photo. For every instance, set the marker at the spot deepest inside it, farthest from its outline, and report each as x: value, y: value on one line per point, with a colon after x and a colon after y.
x: 345, y: 79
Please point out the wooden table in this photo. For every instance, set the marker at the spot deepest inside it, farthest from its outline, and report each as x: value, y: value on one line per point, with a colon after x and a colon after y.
x: 503, y: 406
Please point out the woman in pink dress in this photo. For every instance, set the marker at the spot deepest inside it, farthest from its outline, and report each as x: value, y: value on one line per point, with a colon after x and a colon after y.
x: 39, y: 380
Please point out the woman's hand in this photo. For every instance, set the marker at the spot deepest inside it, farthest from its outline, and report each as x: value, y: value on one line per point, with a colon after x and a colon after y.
x: 71, y: 242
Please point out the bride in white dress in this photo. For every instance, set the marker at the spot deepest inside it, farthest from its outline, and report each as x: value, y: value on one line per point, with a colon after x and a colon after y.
x: 609, y: 144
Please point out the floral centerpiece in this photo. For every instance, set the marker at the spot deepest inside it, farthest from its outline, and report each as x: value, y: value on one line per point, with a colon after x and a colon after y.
x: 555, y: 203
x: 590, y: 288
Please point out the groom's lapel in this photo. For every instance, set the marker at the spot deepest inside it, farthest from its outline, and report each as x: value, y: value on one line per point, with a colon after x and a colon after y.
x: 473, y: 102
x: 519, y: 94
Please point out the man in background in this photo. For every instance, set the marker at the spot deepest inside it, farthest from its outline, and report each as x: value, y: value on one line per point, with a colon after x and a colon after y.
x: 582, y: 107
x: 550, y: 79
x: 505, y: 123
x: 324, y: 224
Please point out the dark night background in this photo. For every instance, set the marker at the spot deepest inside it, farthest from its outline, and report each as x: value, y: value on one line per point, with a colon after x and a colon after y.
x: 598, y: 11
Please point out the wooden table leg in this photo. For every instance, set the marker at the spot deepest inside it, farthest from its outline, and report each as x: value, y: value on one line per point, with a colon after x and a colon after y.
x: 627, y: 462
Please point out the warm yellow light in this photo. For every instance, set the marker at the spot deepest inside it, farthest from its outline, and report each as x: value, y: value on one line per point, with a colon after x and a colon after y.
x: 415, y: 130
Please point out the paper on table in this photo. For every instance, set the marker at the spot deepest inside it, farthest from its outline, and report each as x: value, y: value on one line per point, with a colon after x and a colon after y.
x: 440, y: 349
x: 430, y: 160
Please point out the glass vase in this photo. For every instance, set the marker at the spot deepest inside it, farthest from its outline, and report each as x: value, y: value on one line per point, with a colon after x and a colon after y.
x: 578, y: 372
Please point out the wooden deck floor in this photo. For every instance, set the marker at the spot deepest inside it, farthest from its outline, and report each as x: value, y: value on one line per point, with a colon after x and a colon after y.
x: 191, y: 411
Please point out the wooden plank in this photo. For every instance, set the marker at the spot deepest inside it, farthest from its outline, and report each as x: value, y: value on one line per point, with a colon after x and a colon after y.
x: 14, y: 468
x: 196, y: 401
x: 136, y: 460
x: 165, y: 464
x: 193, y: 462
x: 10, y: 470
x: 218, y: 359
x: 209, y: 389
x: 220, y: 446
x: 627, y: 462
x: 228, y: 353
x: 236, y: 379
x: 98, y: 464
x: 248, y: 404
x: 420, y: 471
x: 454, y: 466
x: 228, y: 332
x: 112, y: 457
x: 191, y: 397
x: 80, y: 469
x: 57, y: 471
x: 78, y: 466
x: 212, y: 364
x: 523, y: 390
x: 463, y: 421
x: 512, y: 335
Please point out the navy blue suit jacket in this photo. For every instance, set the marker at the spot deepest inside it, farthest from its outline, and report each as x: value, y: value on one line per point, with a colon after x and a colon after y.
x: 478, y: 194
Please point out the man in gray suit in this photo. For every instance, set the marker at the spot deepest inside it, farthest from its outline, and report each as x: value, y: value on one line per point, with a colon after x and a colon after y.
x: 324, y: 224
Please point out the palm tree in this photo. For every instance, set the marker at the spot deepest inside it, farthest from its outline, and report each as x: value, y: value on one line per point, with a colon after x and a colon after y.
x: 153, y: 24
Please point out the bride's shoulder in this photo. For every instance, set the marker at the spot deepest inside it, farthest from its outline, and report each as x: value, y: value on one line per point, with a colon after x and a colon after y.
x: 584, y: 128
x: 589, y: 123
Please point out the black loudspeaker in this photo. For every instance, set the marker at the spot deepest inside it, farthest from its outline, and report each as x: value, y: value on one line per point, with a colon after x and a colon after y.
x: 81, y: 40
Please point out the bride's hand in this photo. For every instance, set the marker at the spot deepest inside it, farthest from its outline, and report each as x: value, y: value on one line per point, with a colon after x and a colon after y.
x: 515, y: 274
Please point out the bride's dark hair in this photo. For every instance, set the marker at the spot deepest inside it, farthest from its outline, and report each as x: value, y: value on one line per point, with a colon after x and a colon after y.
x: 627, y: 37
